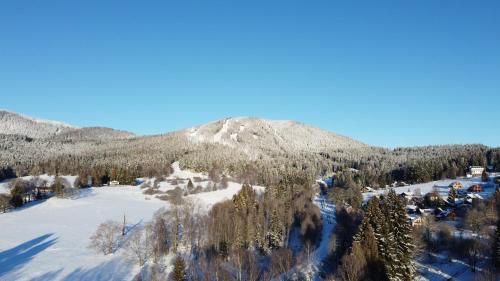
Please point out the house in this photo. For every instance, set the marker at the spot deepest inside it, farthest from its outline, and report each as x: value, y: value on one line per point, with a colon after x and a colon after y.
x: 476, y: 171
x: 471, y: 196
x: 416, y: 221
x: 456, y: 185
x: 114, y: 183
x: 411, y: 209
x: 445, y: 214
x: 476, y: 188
x: 367, y: 189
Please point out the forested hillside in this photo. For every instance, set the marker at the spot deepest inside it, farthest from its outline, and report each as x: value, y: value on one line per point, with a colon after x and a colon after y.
x: 254, y: 150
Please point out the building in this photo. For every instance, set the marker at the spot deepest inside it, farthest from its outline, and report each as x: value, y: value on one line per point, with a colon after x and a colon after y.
x: 416, y: 221
x: 476, y: 171
x: 367, y: 189
x: 456, y: 185
x: 476, y: 188
x: 114, y: 183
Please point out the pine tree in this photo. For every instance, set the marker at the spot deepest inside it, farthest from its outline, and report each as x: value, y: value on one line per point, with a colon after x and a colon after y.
x: 179, y: 273
x: 496, y: 246
x: 275, y: 233
x: 452, y: 195
x: 366, y: 238
x: 401, y: 267
x: 484, y: 176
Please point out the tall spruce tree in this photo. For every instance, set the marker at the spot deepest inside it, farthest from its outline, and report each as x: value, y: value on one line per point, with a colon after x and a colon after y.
x: 179, y: 273
x: 401, y: 229
x: 275, y: 233
x: 452, y: 195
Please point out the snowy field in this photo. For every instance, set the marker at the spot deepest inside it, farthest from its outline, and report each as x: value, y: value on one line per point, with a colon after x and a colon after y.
x: 47, y: 240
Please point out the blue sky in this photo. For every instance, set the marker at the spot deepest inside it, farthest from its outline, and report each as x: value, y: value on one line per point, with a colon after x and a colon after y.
x: 389, y: 73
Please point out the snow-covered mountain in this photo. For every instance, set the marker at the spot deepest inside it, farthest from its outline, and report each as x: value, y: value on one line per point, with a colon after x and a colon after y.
x: 17, y: 124
x: 254, y: 133
x: 94, y: 133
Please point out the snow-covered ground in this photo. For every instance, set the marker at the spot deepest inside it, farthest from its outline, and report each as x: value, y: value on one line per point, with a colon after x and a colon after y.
x: 329, y: 221
x: 443, y: 269
x: 180, y: 178
x: 47, y: 240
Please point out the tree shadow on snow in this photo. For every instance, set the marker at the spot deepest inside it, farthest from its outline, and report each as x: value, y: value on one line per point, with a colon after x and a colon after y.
x: 116, y: 269
x: 15, y: 258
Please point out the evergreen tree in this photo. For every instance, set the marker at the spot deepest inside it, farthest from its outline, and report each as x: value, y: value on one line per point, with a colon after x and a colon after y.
x: 496, y: 246
x: 179, y: 273
x: 275, y: 233
x: 190, y: 185
x: 401, y: 229
x: 366, y: 238
x: 452, y: 195
x: 484, y: 176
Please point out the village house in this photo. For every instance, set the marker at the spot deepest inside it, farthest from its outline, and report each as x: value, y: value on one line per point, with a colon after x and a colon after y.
x: 476, y: 188
x: 114, y: 183
x: 367, y: 189
x: 416, y: 221
x: 476, y: 171
x: 456, y: 185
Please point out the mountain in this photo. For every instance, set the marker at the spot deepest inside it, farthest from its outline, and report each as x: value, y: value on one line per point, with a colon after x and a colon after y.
x: 16, y: 124
x: 254, y: 135
x: 94, y: 133
x: 30, y: 145
x: 251, y: 149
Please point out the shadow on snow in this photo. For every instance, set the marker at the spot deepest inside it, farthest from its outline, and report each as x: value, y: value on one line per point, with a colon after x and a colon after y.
x: 15, y: 258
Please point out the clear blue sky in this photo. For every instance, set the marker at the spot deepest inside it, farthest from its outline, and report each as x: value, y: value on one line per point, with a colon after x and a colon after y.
x: 389, y: 73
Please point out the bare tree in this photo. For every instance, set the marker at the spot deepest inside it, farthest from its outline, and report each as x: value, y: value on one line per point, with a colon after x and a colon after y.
x: 105, y: 239
x: 139, y: 248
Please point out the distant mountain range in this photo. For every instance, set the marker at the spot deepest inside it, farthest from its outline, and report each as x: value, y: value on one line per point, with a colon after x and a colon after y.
x: 17, y: 124
x: 32, y: 145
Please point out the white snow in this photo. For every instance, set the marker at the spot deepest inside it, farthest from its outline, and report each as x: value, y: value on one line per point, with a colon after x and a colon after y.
x: 206, y: 200
x: 234, y: 137
x: 443, y: 268
x: 221, y: 132
x: 47, y: 240
x: 329, y: 222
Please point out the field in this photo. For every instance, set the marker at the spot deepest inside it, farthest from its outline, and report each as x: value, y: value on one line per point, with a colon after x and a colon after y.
x: 48, y: 239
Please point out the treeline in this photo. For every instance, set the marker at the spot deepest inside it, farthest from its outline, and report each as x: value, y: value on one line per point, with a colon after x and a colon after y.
x: 25, y: 191
x: 259, y: 163
x: 418, y: 165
